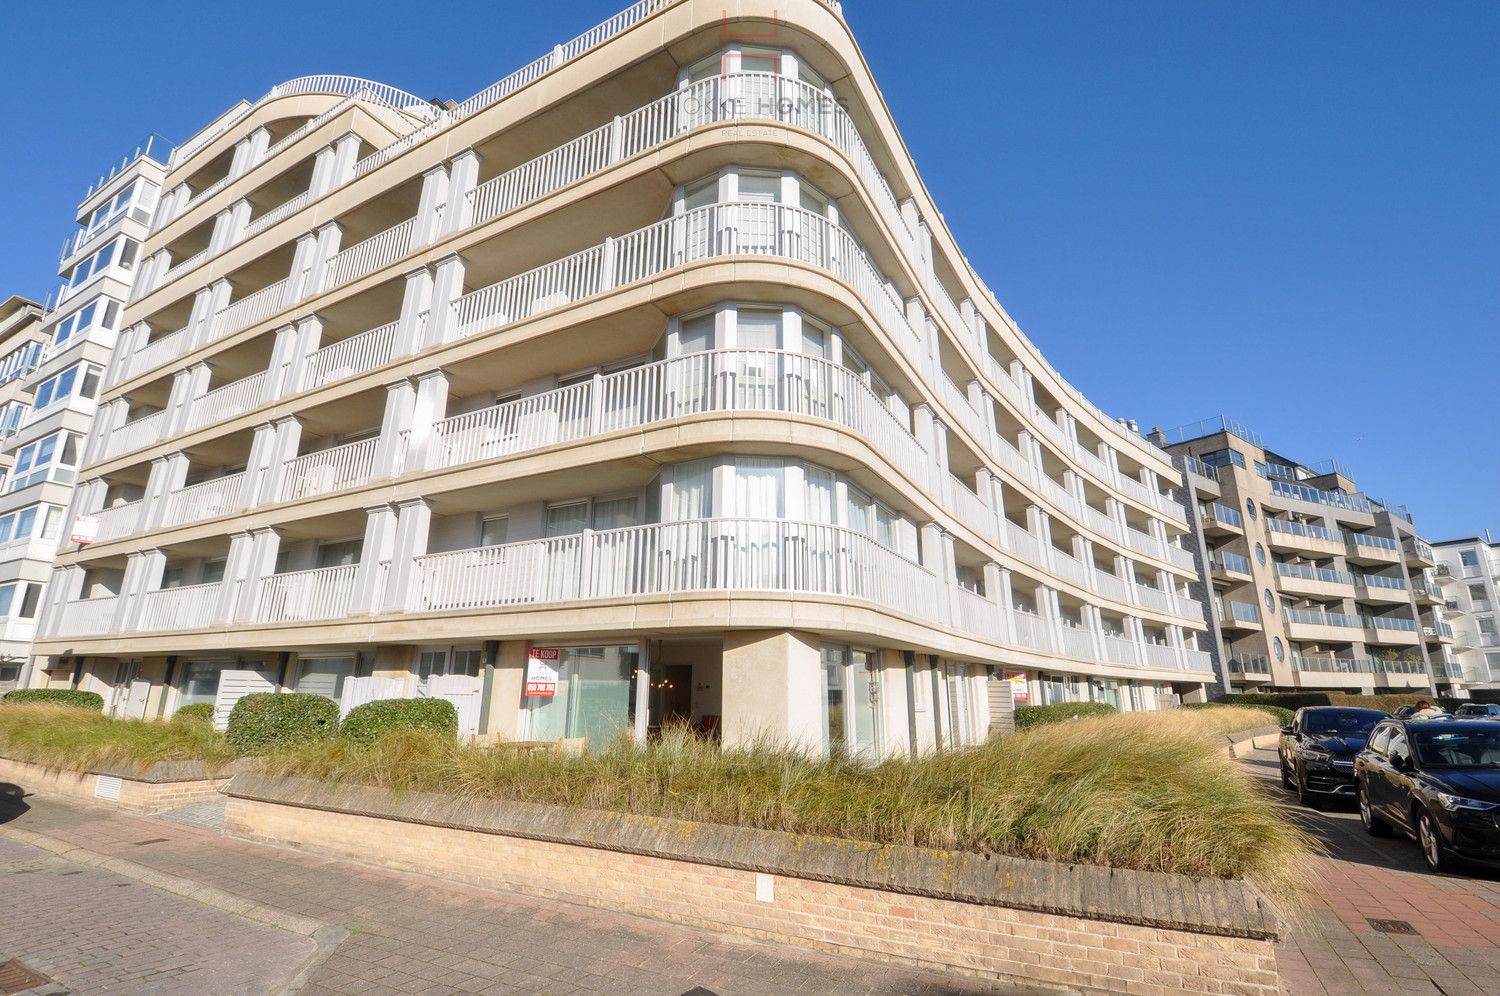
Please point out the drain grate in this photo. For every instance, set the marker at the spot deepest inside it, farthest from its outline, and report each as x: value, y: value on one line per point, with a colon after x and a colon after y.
x: 16, y: 977
x: 153, y: 840
x: 1393, y: 926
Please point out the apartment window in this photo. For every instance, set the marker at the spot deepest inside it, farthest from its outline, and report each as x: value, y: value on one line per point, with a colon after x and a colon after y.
x: 213, y: 571
x: 449, y: 661
x: 171, y: 577
x: 323, y: 676
x: 340, y: 554
x: 83, y: 376
x: 1469, y: 559
x: 494, y: 531
x: 102, y: 311
x: 19, y: 362
x: 851, y: 703
x: 1486, y: 626
x: 1270, y: 601
x: 54, y: 457
x: 696, y: 334
x: 757, y: 328
x: 1260, y: 555
x: 18, y: 526
x: 119, y: 252
x: 1279, y: 649
x: 200, y: 682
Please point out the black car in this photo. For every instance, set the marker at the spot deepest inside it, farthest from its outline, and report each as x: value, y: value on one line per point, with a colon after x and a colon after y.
x: 1477, y: 710
x: 1437, y: 780
x: 1317, y: 749
x: 1403, y: 712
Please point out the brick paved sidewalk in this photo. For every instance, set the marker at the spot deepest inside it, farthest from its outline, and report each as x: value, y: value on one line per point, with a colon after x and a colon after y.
x: 1338, y: 952
x: 98, y: 932
x: 411, y: 934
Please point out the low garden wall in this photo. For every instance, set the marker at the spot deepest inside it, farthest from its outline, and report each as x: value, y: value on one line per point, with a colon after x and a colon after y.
x: 1032, y: 922
x: 163, y: 785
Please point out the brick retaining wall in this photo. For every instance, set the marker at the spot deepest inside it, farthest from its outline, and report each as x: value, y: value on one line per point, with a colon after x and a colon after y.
x: 1092, y: 929
x: 164, y: 785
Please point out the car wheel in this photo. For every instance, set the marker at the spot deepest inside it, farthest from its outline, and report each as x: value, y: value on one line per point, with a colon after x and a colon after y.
x: 1304, y: 794
x: 1374, y: 825
x: 1286, y: 776
x: 1431, y: 840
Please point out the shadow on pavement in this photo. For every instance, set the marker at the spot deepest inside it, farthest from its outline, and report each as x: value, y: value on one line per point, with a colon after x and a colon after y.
x: 12, y: 802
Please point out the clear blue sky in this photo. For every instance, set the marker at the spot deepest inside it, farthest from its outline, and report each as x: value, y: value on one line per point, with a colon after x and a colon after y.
x: 1285, y: 211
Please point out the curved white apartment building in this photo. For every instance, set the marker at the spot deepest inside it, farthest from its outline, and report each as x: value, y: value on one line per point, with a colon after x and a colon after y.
x: 648, y: 379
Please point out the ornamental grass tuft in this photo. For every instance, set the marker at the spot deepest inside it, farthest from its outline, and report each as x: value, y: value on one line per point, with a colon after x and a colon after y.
x: 60, y: 736
x: 1151, y: 791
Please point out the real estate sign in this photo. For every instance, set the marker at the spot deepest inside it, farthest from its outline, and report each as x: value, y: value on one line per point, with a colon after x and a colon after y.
x: 85, y: 529
x: 1019, y: 690
x: 541, y: 672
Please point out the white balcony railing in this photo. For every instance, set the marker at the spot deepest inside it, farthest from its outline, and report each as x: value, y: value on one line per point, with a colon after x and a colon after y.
x: 205, y: 500
x: 371, y: 254
x: 323, y: 472
x: 971, y: 510
x: 1024, y: 545
x: 697, y: 555
x: 118, y: 521
x: 227, y: 401
x: 1069, y: 569
x: 87, y: 616
x: 1118, y: 649
x: 351, y: 356
x: 1160, y: 655
x: 322, y: 593
x: 979, y: 615
x: 189, y: 607
x: 1077, y: 642
x: 133, y: 435
x: 1031, y: 630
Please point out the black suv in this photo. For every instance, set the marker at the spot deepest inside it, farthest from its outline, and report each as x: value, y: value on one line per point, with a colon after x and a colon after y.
x: 1437, y: 780
x: 1317, y: 749
x: 1477, y: 710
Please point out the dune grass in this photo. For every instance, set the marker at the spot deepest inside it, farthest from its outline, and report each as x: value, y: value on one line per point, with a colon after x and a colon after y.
x: 71, y: 738
x: 1147, y: 791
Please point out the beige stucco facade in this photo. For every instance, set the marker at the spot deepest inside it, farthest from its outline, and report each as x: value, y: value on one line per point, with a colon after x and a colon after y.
x: 655, y: 357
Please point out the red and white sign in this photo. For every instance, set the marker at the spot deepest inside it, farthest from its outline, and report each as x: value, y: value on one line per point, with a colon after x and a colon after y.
x: 541, y: 672
x: 1019, y: 690
x: 85, y: 529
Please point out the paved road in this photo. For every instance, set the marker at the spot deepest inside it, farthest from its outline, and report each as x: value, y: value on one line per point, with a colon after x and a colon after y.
x: 405, y: 933
x: 1456, y: 947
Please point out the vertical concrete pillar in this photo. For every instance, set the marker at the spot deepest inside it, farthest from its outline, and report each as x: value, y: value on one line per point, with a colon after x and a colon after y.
x: 507, y: 678
x: 265, y: 543
x: 395, y: 428
x: 236, y: 572
x: 329, y: 238
x: 447, y: 287
x: 413, y: 522
x: 431, y: 206
x: 772, y: 688
x: 374, y: 559
x: 416, y: 302
x: 463, y: 177
x: 167, y: 474
x: 282, y: 451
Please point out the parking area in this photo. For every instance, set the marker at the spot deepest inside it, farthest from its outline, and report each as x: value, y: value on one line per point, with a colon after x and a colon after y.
x: 1378, y: 921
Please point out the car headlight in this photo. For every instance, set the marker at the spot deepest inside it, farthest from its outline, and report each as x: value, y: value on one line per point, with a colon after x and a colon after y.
x: 1313, y: 755
x: 1453, y: 803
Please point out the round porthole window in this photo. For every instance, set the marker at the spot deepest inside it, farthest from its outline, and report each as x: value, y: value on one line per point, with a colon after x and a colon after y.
x: 1260, y: 555
x: 1270, y: 602
x: 1280, y: 650
x: 1250, y: 507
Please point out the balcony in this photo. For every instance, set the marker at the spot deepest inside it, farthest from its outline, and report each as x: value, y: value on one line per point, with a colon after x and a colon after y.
x: 1367, y: 548
x: 1250, y: 668
x: 1289, y: 536
x: 1241, y: 616
x: 1314, y: 624
x: 1438, y: 632
x: 1229, y: 566
x: 1221, y: 520
x: 1377, y: 589
x: 1333, y: 665
x: 1316, y: 496
x: 1426, y: 593
x: 1391, y: 629
x: 1418, y: 553
x: 1314, y: 582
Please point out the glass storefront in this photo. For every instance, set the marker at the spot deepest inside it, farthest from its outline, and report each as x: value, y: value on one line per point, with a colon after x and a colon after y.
x: 595, y: 696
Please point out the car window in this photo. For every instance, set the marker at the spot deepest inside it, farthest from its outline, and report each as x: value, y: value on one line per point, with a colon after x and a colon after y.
x: 1381, y: 738
x: 1451, y: 746
x: 1399, y: 749
x: 1340, y: 722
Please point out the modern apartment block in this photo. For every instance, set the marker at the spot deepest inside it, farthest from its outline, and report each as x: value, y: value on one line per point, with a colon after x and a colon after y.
x: 1469, y: 572
x: 647, y: 384
x: 1315, y: 584
x: 52, y: 378
x: 20, y: 348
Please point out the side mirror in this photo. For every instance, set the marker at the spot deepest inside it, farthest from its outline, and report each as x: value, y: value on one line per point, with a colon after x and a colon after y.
x: 1286, y: 730
x: 1402, y: 763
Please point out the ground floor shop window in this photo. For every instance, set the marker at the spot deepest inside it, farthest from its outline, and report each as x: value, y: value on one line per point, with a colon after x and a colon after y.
x: 851, y: 702
x: 594, y: 696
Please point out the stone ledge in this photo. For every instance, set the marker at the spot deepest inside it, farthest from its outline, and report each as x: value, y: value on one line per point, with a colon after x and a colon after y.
x: 157, y: 773
x: 1243, y: 741
x: 1222, y: 907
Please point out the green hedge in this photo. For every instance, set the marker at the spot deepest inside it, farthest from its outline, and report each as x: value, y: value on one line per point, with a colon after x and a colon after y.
x: 266, y: 720
x: 1282, y: 714
x: 1297, y: 700
x: 200, y: 712
x: 1028, y: 716
x: 365, y: 724
x: 57, y: 696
